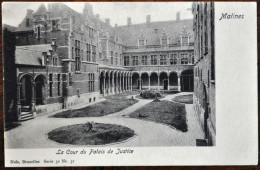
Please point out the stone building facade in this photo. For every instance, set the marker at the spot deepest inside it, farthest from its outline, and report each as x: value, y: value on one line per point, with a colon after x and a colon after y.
x: 204, y: 68
x: 65, y: 58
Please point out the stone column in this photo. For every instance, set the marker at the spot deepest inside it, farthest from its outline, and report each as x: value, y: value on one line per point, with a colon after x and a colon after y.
x: 120, y: 84
x: 158, y: 82
x: 168, y: 87
x: 108, y: 85
x: 149, y: 82
x: 18, y: 102
x: 113, y: 84
x: 127, y: 84
x: 33, y: 100
x: 179, y: 83
x: 123, y: 87
x: 104, y: 85
x: 131, y: 85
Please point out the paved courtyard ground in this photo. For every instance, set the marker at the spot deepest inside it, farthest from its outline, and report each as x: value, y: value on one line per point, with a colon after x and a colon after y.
x: 32, y: 134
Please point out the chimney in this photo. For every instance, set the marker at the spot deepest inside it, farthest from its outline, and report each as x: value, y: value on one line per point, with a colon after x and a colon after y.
x: 148, y: 19
x: 98, y: 16
x: 178, y: 16
x: 128, y: 21
x: 29, y: 11
x: 107, y: 21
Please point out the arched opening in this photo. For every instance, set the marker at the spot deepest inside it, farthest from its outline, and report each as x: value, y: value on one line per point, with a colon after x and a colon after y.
x: 173, y: 81
x: 154, y: 80
x: 187, y: 81
x: 101, y: 83
x: 39, y: 90
x: 135, y: 81
x: 26, y: 91
x: 145, y: 81
x: 163, y: 81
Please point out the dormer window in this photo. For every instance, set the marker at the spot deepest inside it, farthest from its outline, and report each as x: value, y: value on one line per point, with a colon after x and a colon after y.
x: 164, y: 37
x: 141, y: 42
x: 55, y: 25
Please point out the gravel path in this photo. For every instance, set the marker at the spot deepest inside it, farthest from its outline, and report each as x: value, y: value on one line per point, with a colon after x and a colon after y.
x: 32, y: 134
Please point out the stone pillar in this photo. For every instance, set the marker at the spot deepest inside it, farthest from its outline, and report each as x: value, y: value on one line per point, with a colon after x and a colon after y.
x: 33, y: 100
x: 168, y: 87
x: 113, y: 84
x: 158, y: 82
x: 140, y: 82
x: 120, y: 84
x: 127, y: 84
x: 123, y: 87
x: 149, y: 82
x: 108, y: 85
x: 179, y: 83
x: 18, y: 102
x: 131, y: 85
x: 104, y: 85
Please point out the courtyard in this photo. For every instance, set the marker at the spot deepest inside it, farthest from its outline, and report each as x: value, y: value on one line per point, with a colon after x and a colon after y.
x: 171, y: 124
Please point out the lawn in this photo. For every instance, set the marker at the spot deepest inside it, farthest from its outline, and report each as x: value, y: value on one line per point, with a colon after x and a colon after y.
x: 186, y: 99
x: 80, y: 134
x: 166, y: 112
x: 114, y: 103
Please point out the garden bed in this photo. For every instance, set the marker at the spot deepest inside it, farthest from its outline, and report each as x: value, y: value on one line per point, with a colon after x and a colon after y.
x: 113, y: 104
x: 100, y: 134
x: 166, y: 112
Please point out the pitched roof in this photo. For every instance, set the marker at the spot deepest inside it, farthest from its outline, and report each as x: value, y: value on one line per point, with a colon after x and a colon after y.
x: 41, y: 10
x: 31, y: 54
x: 153, y: 31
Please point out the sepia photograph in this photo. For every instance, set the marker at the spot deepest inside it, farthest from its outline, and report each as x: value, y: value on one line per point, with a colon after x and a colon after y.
x: 117, y: 75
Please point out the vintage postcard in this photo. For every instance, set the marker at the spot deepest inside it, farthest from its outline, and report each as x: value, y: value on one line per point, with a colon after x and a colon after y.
x: 130, y: 83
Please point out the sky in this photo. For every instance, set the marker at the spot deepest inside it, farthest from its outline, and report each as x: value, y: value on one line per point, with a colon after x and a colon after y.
x: 14, y: 12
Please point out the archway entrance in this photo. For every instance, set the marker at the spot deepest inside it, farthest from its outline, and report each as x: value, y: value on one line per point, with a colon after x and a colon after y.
x: 26, y: 91
x: 144, y: 81
x: 135, y: 81
x: 187, y: 81
x: 101, y: 83
x: 39, y: 90
x: 173, y: 78
x: 165, y: 85
x: 154, y: 80
x: 163, y: 79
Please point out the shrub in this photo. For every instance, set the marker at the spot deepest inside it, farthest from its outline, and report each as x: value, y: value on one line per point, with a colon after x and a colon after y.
x: 150, y: 94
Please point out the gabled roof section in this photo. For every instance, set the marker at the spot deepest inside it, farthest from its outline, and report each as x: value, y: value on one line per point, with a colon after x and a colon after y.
x: 41, y: 10
x: 153, y: 32
x: 31, y: 54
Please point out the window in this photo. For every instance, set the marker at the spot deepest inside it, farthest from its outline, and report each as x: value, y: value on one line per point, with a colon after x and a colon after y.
x: 184, y: 58
x: 55, y: 25
x: 91, y: 31
x: 91, y: 82
x: 88, y: 52
x: 116, y: 59
x: 38, y: 32
x: 27, y: 22
x: 126, y: 60
x: 55, y: 61
x: 100, y: 55
x: 112, y: 57
x: 59, y: 82
x: 163, y: 60
x: 192, y: 58
x: 173, y: 59
x: 164, y: 41
x: 135, y: 60
x: 205, y: 30
x: 93, y: 53
x: 50, y: 84
x: 77, y: 53
x: 153, y: 60
x: 141, y: 42
x: 72, y: 52
x: 144, y: 60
